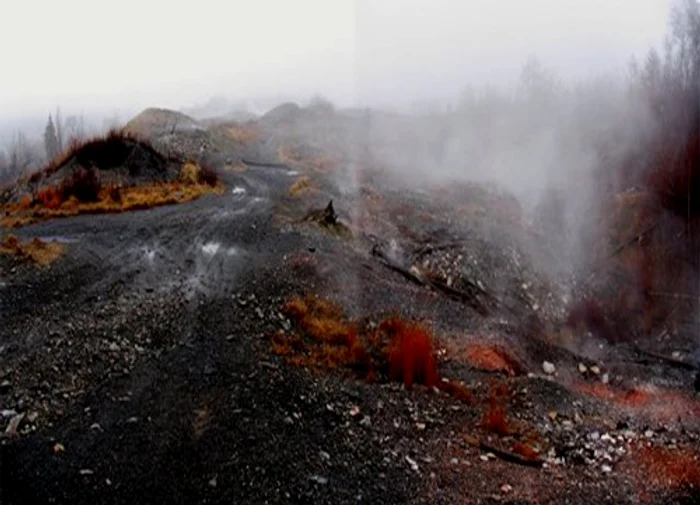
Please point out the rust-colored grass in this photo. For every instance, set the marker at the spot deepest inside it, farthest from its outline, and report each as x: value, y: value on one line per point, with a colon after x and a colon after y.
x: 662, y: 469
x: 129, y: 198
x: 325, y: 338
x: 243, y: 134
x: 302, y: 187
x: 660, y: 404
x: 526, y: 450
x: 457, y: 390
x: 193, y: 173
x: 25, y: 202
x: 494, y: 419
x: 36, y: 251
x: 411, y: 353
x: 493, y: 358
x: 50, y: 197
x: 319, y: 162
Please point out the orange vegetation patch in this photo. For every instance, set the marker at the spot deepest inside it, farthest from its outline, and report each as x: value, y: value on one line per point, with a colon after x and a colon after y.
x: 36, y: 251
x: 526, y: 450
x: 411, y: 353
x: 302, y: 186
x: 111, y: 200
x: 325, y: 338
x: 319, y: 162
x: 457, y: 390
x: 657, y: 403
x: 674, y: 470
x: 494, y: 419
x: 493, y: 358
x: 243, y: 134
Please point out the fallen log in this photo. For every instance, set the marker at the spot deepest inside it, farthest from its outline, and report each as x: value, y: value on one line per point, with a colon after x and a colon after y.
x: 508, y: 456
x: 254, y: 163
x: 677, y: 363
x: 471, y: 299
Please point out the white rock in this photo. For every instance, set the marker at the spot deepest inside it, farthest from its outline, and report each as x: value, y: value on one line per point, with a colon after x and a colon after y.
x: 14, y: 423
x: 548, y: 368
x: 412, y: 464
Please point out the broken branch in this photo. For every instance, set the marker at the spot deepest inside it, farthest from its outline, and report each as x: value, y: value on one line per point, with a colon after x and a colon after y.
x: 508, y: 456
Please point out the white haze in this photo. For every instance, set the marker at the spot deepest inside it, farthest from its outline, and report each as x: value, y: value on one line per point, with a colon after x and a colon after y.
x: 456, y: 64
x: 86, y: 54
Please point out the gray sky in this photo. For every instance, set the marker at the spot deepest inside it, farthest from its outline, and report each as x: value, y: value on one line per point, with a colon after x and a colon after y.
x: 92, y: 54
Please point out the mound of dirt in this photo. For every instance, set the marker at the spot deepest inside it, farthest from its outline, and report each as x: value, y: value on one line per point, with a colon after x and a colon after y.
x: 118, y: 157
x: 282, y: 114
x: 153, y: 122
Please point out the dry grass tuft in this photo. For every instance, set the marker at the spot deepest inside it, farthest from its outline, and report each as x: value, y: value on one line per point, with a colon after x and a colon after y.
x: 411, y: 353
x: 319, y: 162
x: 494, y: 419
x: 526, y: 450
x: 457, y: 390
x: 189, y: 173
x: 663, y: 405
x: 243, y: 134
x: 194, y: 173
x: 50, y: 197
x: 662, y: 469
x: 325, y: 338
x: 36, y: 251
x: 302, y: 187
x: 110, y: 200
x: 493, y: 358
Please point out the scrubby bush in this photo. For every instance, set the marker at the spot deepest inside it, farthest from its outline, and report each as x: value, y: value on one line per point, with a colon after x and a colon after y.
x: 83, y: 183
x: 208, y: 175
x: 411, y: 354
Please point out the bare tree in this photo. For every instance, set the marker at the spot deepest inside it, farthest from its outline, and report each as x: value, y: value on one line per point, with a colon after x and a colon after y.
x: 74, y: 129
x: 112, y: 123
x: 59, y: 131
x: 4, y: 167
x: 22, y: 155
